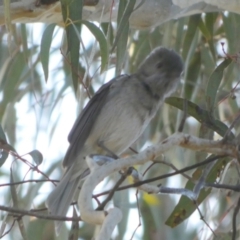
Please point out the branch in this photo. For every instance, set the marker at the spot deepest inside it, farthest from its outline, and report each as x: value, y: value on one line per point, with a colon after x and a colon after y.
x: 146, y: 13
x: 28, y: 181
x: 98, y: 173
x: 167, y: 175
x: 19, y: 213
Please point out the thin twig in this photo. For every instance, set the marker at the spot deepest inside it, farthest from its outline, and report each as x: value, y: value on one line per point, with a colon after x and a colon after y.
x: 76, y: 72
x: 234, y: 220
x: 165, y: 175
x: 113, y: 190
x: 173, y: 167
x: 203, y: 219
x: 28, y: 181
x: 9, y: 230
x: 236, y: 120
x: 235, y: 188
x: 16, y: 212
x: 139, y: 215
x: 150, y: 166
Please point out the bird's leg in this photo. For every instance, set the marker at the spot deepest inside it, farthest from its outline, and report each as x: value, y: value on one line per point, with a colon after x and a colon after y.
x: 112, y: 154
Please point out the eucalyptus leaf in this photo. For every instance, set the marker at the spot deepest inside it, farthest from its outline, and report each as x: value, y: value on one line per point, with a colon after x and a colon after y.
x: 3, y: 154
x: 185, y: 206
x: 98, y: 34
x: 45, y: 48
x: 214, y: 83
x: 72, y: 16
x: 36, y: 156
x: 191, y: 31
x: 203, y: 116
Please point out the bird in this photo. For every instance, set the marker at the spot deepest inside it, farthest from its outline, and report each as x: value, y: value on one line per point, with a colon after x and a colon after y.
x: 114, y: 118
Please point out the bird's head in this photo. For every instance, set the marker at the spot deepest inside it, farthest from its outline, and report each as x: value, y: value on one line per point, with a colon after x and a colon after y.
x: 161, y: 70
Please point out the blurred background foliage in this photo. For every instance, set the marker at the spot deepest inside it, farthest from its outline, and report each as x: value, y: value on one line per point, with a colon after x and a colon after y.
x: 46, y: 77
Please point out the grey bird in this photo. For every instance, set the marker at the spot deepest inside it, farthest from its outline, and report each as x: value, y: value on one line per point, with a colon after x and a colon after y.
x: 114, y: 119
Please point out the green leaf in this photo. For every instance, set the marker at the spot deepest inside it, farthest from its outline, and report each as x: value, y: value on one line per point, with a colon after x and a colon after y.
x: 204, y: 30
x: 124, y: 12
x: 72, y: 15
x: 24, y: 40
x: 98, y: 34
x: 11, y: 78
x: 180, y: 33
x: 185, y: 206
x: 192, y: 28
x: 214, y: 83
x: 207, y: 29
x: 13, y: 190
x: 231, y: 30
x: 108, y: 31
x: 3, y: 154
x: 45, y: 48
x: 192, y: 74
x: 2, y: 134
x: 200, y: 114
x: 36, y: 156
x: 210, y: 20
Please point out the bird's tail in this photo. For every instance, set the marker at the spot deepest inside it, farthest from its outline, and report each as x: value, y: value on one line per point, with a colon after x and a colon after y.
x: 61, y: 197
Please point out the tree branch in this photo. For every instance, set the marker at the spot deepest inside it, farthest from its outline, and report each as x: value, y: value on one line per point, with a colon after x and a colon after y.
x: 98, y: 173
x: 19, y: 213
x: 146, y: 14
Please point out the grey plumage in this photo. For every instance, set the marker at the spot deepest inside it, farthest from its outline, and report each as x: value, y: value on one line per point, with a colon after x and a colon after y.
x: 116, y: 116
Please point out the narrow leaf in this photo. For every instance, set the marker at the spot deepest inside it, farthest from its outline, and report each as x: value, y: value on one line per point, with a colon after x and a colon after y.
x: 36, y: 156
x: 214, y: 83
x: 192, y: 74
x: 98, y: 34
x: 122, y: 33
x: 3, y: 154
x: 185, y: 206
x: 45, y: 48
x: 72, y: 15
x: 123, y: 18
x: 192, y: 28
x: 24, y: 40
x: 200, y: 114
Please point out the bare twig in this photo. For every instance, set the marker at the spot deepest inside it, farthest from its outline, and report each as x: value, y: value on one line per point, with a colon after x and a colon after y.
x: 235, y: 121
x: 166, y: 175
x: 113, y: 190
x: 173, y: 167
x: 139, y: 215
x: 20, y: 212
x: 234, y: 220
x: 10, y: 229
x: 98, y: 173
x: 76, y: 72
x: 203, y: 219
x: 28, y: 181
x: 235, y: 188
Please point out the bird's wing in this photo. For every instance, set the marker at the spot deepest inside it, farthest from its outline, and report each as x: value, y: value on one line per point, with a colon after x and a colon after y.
x: 85, y: 121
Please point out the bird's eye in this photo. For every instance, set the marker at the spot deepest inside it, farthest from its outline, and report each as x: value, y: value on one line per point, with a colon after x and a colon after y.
x: 159, y: 65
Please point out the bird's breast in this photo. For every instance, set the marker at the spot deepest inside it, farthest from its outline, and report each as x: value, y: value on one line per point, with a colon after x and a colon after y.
x: 120, y: 124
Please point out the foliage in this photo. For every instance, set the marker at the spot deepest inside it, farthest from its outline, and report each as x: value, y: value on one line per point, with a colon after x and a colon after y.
x: 38, y: 79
